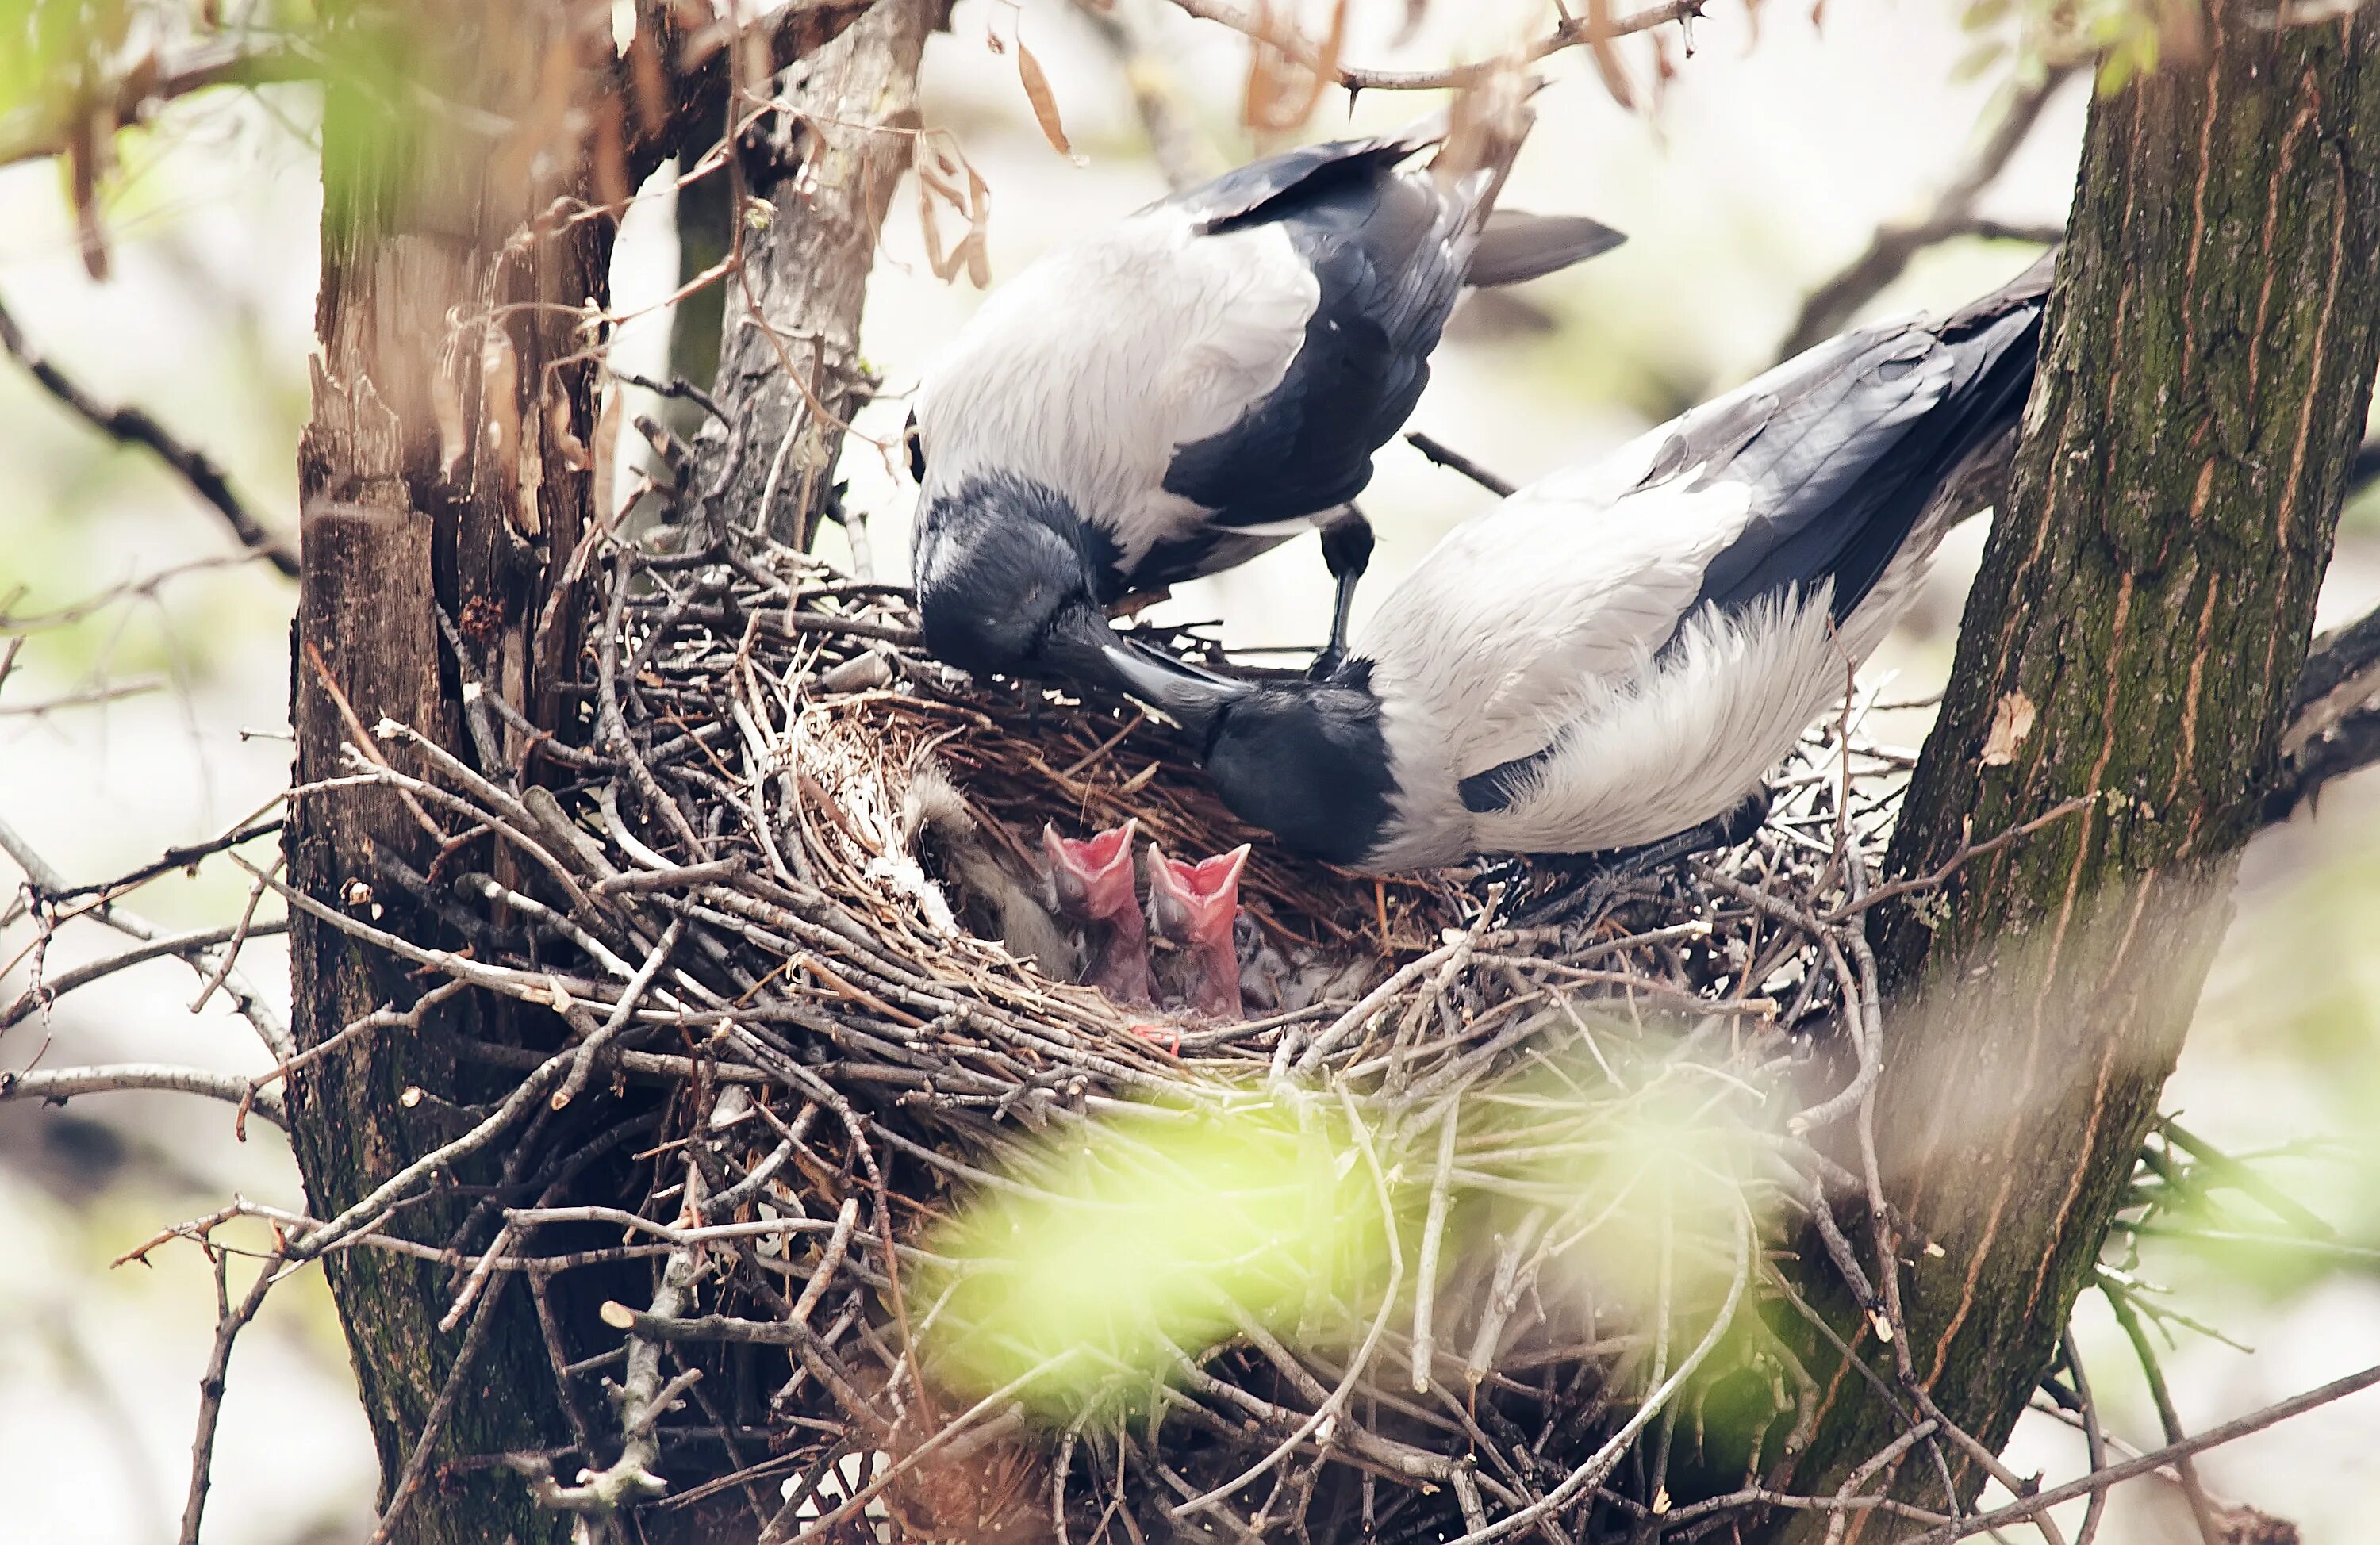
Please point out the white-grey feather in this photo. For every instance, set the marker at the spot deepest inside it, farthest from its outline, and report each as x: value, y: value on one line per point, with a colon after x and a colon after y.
x: 1649, y: 727
x: 1145, y: 338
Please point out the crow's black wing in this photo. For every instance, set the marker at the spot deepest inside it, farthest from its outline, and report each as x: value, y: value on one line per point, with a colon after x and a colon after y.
x: 1387, y: 253
x: 1846, y: 454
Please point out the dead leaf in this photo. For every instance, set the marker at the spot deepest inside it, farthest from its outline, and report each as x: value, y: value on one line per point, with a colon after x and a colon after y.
x: 447, y: 408
x: 604, y: 453
x: 1044, y: 100
x: 568, y: 447
x: 940, y: 169
x: 1605, y: 47
x: 500, y: 391
x: 1287, y: 74
x: 611, y: 156
x: 650, y: 79
x: 529, y: 483
x: 2011, y: 722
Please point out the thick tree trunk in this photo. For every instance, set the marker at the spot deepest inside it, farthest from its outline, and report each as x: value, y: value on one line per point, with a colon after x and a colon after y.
x: 448, y: 465
x: 790, y: 374
x: 436, y: 472
x: 2144, y: 607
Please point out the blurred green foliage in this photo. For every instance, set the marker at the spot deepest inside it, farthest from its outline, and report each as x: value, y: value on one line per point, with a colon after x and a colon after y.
x: 44, y: 43
x: 1119, y: 1256
x: 1139, y: 1242
x: 2126, y: 38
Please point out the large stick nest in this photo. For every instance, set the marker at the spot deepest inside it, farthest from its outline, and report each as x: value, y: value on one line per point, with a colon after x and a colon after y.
x: 900, y: 1238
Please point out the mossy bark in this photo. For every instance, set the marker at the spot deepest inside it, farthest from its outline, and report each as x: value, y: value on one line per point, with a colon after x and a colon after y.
x: 2135, y: 635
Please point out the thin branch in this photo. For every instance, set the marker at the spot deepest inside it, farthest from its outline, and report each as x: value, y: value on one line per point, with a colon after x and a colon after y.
x: 266, y: 1020
x: 2201, y: 1507
x: 1600, y: 1464
x: 434, y: 1425
x: 60, y: 1084
x: 1432, y: 1236
x: 677, y: 387
x: 1301, y: 50
x: 582, y: 1064
x: 1952, y: 213
x: 1968, y: 853
x: 2213, y: 1437
x: 229, y: 1322
x: 240, y: 935
x: 2094, y: 1439
x: 1455, y: 460
x: 1183, y: 157
x: 166, y: 863
x: 132, y: 427
x: 190, y: 947
x: 223, y: 61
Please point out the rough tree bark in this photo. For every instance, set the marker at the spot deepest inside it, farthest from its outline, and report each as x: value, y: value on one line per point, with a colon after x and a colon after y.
x: 447, y: 464
x: 395, y: 517
x: 2135, y: 635
x: 790, y: 376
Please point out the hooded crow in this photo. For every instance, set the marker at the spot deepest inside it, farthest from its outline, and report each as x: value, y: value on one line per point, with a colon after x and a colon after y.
x: 1201, y: 382
x: 1618, y: 654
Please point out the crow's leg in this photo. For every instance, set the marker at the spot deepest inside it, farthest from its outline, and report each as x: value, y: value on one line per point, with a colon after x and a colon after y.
x: 1346, y: 552
x: 1591, y: 883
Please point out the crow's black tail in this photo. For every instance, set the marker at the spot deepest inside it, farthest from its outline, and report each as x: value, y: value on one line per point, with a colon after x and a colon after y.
x: 1997, y: 341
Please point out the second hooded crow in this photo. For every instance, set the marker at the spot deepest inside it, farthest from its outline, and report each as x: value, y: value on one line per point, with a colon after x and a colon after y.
x: 1617, y: 655
x: 1201, y: 382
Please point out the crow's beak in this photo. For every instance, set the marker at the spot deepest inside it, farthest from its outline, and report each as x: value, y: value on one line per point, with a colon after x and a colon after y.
x: 1190, y: 696
x: 1078, y: 646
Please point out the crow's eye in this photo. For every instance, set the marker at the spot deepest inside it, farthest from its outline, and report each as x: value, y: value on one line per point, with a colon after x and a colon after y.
x: 917, y: 444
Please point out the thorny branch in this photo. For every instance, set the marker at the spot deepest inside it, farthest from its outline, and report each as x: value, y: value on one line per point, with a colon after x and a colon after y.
x: 230, y: 1319
x: 1571, y: 32
x: 44, y: 882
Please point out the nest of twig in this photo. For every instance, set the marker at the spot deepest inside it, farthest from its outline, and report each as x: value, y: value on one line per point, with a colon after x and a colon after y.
x: 1526, y: 1172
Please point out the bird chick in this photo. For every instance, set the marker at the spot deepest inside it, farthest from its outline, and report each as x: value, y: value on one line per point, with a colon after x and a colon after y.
x: 1192, y: 909
x: 990, y: 899
x: 1092, y: 884
x: 1263, y: 970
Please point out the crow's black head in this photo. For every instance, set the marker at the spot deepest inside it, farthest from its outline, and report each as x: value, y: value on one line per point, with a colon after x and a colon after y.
x: 1002, y: 585
x: 1309, y: 765
x: 1304, y: 760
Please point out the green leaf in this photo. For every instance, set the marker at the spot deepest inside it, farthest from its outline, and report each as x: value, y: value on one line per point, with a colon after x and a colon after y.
x: 1978, y: 61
